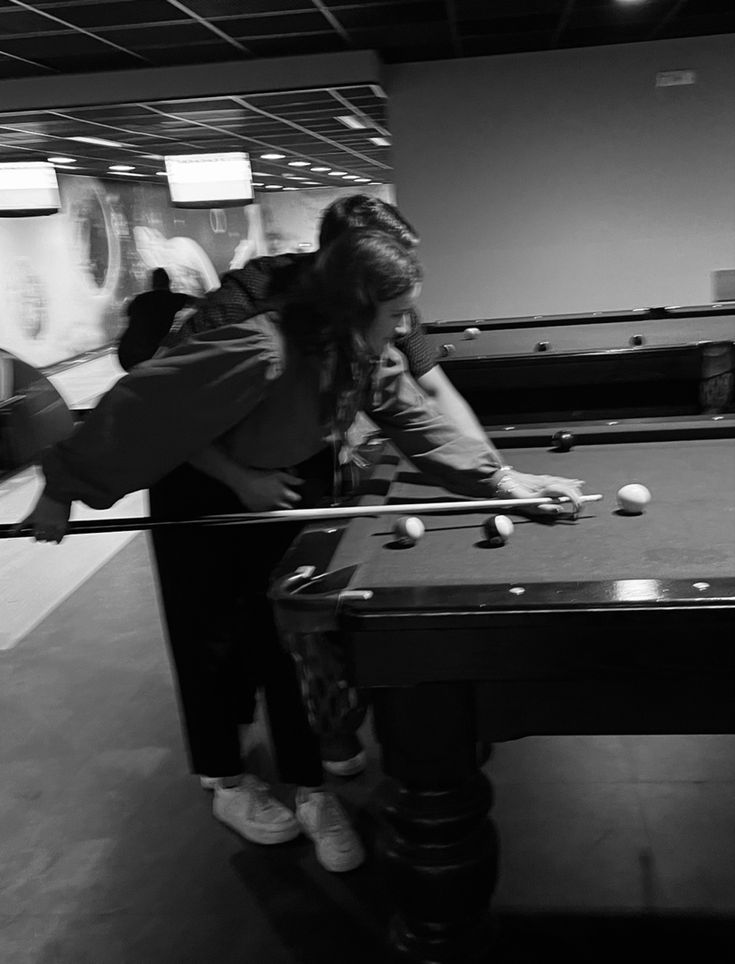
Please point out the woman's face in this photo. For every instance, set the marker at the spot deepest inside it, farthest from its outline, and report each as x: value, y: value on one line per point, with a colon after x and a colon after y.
x: 392, y: 319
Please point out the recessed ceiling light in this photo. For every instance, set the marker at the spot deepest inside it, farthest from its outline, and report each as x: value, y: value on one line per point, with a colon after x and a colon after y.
x: 299, y: 163
x: 337, y: 173
x: 380, y: 141
x: 319, y: 170
x: 97, y: 140
x: 61, y: 160
x: 272, y: 157
x: 355, y: 123
x: 121, y: 167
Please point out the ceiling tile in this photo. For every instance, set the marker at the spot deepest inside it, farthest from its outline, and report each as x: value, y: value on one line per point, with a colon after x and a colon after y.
x: 94, y: 15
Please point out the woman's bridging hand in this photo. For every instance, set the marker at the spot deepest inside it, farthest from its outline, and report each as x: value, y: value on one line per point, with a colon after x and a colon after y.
x: 521, y: 485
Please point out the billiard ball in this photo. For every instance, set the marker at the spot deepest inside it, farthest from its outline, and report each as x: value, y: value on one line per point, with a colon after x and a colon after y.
x: 471, y: 333
x: 408, y: 530
x: 563, y: 441
x: 498, y: 529
x: 633, y: 498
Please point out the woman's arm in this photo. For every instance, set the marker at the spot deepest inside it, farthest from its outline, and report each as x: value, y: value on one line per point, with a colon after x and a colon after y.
x: 163, y: 412
x: 442, y: 393
x: 464, y: 464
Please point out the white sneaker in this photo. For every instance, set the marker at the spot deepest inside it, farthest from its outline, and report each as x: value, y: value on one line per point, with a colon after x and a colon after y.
x: 322, y: 818
x: 252, y: 811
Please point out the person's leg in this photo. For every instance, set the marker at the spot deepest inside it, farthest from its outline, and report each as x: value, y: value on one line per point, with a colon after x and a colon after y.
x: 296, y: 747
x: 195, y: 565
x: 199, y: 571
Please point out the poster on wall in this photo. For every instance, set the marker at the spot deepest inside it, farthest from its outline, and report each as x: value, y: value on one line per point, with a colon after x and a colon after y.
x: 69, y: 277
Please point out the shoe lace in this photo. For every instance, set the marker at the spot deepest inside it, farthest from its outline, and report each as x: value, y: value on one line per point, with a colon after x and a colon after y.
x: 261, y: 795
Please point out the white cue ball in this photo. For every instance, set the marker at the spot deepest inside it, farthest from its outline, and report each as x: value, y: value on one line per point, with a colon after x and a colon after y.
x: 471, y: 333
x: 633, y: 498
x: 408, y: 530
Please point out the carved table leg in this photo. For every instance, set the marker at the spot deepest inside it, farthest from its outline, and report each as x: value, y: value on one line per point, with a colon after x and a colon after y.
x: 439, y: 849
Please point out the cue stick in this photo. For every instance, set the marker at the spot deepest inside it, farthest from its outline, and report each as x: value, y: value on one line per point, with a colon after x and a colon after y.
x: 298, y: 515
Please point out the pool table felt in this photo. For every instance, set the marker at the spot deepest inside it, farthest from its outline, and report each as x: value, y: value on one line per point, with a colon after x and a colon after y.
x: 688, y: 530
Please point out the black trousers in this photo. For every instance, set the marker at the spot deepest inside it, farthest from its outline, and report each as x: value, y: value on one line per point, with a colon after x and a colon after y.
x: 222, y: 638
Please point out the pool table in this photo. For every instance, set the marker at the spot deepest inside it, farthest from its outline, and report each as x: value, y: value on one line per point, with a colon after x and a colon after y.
x: 609, y: 624
x: 630, y: 362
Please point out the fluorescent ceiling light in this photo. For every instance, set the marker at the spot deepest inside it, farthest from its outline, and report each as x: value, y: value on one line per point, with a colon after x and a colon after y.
x: 350, y: 177
x: 263, y: 174
x: 299, y: 163
x: 290, y: 189
x: 28, y: 188
x: 337, y: 173
x: 380, y: 141
x: 61, y: 160
x: 272, y: 157
x: 96, y: 140
x: 319, y: 170
x: 221, y: 179
x: 162, y: 173
x: 121, y: 167
x: 355, y: 123
x: 274, y: 187
x: 362, y: 180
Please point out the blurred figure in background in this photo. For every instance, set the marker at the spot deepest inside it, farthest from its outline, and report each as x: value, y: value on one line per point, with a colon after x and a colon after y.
x: 150, y: 316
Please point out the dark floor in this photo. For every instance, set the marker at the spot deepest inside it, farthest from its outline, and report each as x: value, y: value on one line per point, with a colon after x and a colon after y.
x: 612, y: 847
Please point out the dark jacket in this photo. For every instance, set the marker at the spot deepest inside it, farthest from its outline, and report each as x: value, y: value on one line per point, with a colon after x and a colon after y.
x: 258, y: 396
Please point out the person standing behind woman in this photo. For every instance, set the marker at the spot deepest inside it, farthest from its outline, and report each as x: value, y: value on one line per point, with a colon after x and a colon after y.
x: 150, y: 317
x: 270, y: 392
x: 265, y: 282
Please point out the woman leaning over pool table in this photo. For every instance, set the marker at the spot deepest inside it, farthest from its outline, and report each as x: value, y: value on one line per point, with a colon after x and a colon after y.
x: 276, y: 392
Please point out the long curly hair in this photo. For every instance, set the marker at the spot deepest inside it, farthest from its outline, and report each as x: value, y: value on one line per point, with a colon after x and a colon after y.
x: 337, y: 303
